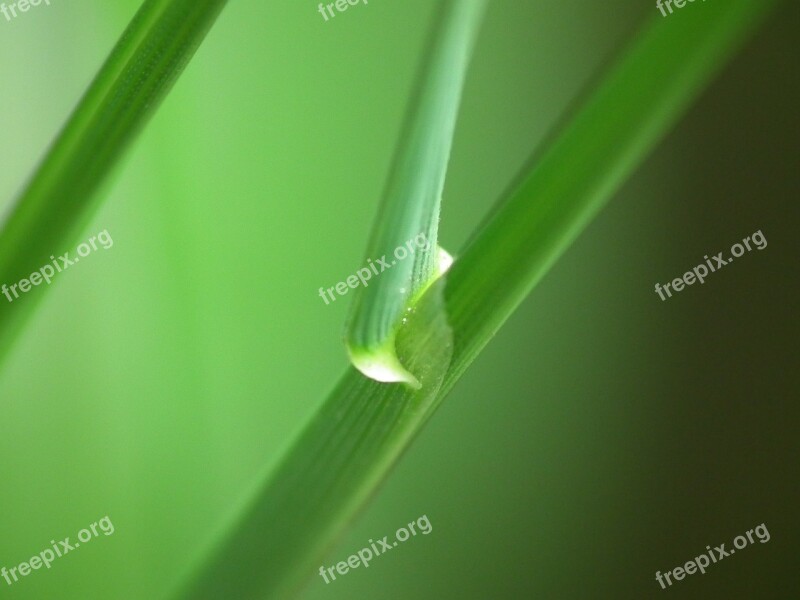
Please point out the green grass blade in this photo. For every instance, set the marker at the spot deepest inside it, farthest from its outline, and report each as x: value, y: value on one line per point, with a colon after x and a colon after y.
x: 411, y: 201
x: 363, y: 426
x: 331, y: 471
x: 561, y: 191
x: 60, y: 196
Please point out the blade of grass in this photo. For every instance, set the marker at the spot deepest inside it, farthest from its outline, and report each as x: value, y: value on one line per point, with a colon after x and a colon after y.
x: 361, y: 429
x: 61, y: 195
x: 411, y: 201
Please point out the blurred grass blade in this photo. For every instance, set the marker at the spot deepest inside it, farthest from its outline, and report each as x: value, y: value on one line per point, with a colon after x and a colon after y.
x: 59, y: 198
x: 362, y: 428
x: 410, y: 205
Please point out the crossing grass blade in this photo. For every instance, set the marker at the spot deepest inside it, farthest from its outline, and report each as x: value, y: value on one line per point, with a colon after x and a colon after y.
x: 411, y: 202
x: 361, y: 429
x: 61, y: 195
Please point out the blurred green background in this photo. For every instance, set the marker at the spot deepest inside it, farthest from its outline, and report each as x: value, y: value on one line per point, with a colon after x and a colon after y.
x: 603, y: 435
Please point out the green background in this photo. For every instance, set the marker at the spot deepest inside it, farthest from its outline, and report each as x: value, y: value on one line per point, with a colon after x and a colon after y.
x: 603, y: 435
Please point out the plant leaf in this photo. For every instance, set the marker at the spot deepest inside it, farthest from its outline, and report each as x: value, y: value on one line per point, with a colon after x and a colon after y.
x: 362, y: 428
x: 411, y: 201
x: 60, y: 197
